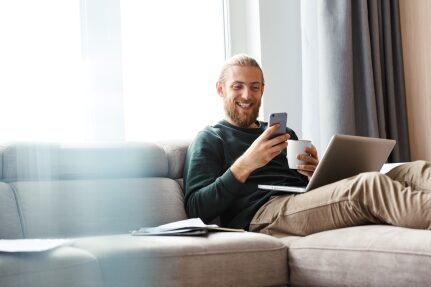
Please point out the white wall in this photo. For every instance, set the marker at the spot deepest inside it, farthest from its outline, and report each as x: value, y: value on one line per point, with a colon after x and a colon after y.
x: 270, y: 31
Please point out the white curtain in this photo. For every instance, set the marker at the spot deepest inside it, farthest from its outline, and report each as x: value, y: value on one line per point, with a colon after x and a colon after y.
x: 310, y: 75
x: 327, y: 72
x: 353, y: 72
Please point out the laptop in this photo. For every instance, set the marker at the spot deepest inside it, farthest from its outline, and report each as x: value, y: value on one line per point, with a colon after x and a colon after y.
x: 345, y: 156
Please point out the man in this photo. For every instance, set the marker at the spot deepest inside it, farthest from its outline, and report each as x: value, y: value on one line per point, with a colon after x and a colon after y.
x: 227, y: 161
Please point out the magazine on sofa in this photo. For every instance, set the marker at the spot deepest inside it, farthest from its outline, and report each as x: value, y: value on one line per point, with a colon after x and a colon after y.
x: 188, y: 227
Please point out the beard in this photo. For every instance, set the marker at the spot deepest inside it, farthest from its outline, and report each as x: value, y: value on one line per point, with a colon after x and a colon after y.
x: 243, y: 120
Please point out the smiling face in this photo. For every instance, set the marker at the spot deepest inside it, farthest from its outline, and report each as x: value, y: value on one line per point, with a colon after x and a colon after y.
x: 242, y: 93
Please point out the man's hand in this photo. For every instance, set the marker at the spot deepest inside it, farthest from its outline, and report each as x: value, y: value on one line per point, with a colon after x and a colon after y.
x: 311, y: 159
x: 262, y: 151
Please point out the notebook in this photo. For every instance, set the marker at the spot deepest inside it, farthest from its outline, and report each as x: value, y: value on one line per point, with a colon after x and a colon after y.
x: 345, y: 156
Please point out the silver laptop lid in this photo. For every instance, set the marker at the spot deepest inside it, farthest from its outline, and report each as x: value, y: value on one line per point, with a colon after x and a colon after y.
x: 346, y: 156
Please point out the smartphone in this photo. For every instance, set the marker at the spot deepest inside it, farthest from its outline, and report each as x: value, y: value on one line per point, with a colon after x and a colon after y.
x: 278, y: 118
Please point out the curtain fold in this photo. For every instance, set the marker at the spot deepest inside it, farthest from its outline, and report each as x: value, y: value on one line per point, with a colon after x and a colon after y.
x: 352, y: 57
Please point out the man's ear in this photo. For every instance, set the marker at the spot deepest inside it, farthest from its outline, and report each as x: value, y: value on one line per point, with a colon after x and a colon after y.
x: 220, y: 88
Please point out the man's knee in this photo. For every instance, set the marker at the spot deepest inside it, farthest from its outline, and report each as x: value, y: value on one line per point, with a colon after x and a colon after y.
x: 421, y: 164
x: 410, y: 171
x: 417, y: 164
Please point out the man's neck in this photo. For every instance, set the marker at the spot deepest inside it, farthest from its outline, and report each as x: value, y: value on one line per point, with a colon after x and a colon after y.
x: 254, y: 125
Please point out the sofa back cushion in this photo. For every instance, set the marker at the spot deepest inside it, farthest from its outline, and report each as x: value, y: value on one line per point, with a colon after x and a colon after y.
x: 27, y: 161
x: 1, y: 162
x: 176, y: 153
x: 10, y: 224
x: 66, y: 191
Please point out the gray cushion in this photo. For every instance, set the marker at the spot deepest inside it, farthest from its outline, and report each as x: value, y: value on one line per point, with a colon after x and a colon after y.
x: 374, y: 255
x: 57, y: 161
x: 1, y: 161
x: 220, y: 259
x: 65, y: 266
x: 10, y: 224
x: 90, y: 207
x: 176, y: 153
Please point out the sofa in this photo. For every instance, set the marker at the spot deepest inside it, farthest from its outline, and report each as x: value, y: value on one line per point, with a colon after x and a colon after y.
x: 96, y: 194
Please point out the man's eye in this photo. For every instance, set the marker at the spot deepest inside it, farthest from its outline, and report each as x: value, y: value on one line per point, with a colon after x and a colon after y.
x: 236, y: 87
x: 255, y: 88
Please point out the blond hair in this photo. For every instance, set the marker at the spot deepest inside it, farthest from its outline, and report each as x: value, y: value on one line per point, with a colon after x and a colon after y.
x: 241, y: 60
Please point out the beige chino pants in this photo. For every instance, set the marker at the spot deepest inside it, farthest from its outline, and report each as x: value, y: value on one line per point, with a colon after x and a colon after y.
x: 402, y: 197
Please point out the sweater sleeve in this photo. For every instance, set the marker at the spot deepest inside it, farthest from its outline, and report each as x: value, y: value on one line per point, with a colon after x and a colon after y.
x: 210, y: 186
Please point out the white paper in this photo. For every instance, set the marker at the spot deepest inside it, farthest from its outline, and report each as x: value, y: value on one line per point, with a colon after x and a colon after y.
x: 192, y: 222
x: 192, y: 226
x: 31, y: 245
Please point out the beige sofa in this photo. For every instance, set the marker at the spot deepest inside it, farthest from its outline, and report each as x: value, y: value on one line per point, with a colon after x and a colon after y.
x: 96, y: 194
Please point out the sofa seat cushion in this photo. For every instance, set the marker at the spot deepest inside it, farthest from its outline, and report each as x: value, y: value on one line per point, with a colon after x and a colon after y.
x: 372, y: 255
x: 219, y: 259
x: 288, y: 240
x: 65, y: 266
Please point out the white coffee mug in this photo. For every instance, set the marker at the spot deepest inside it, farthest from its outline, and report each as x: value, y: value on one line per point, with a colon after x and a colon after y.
x: 295, y: 147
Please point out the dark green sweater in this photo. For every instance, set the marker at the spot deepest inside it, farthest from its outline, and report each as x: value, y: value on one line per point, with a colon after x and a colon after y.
x: 211, y: 189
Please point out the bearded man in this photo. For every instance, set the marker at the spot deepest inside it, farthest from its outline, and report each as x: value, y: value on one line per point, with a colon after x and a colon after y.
x: 227, y: 161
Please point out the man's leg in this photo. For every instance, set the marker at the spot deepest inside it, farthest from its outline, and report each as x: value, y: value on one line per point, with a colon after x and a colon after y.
x: 416, y: 174
x: 363, y: 199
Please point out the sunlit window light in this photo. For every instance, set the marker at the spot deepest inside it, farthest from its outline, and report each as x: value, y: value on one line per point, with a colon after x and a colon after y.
x: 171, y: 53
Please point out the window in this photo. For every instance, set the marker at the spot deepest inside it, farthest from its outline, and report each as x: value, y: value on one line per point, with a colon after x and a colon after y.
x: 169, y: 73
x: 109, y: 70
x: 40, y: 70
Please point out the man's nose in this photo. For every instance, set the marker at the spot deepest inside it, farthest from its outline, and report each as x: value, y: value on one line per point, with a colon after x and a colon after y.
x: 247, y: 94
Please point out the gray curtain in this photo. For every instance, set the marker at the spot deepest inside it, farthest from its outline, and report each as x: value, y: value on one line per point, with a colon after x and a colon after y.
x: 356, y: 71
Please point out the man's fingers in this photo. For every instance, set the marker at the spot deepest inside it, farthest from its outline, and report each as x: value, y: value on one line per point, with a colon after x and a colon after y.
x: 306, y: 167
x: 312, y: 151
x: 311, y: 161
x: 308, y: 158
x: 270, y: 130
x: 266, y: 136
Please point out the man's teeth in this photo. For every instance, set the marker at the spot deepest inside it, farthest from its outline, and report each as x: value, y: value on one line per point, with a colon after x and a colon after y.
x: 242, y: 105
